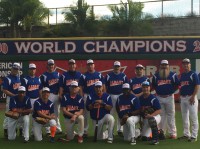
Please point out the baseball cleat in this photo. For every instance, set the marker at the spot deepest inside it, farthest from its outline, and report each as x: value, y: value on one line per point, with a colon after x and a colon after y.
x: 80, y: 139
x: 192, y: 139
x: 154, y: 142
x: 133, y: 141
x: 52, y: 140
x: 110, y: 141
x: 172, y: 137
x: 183, y: 138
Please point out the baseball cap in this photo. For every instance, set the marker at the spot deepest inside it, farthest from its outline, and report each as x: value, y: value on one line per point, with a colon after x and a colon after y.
x: 164, y: 62
x: 21, y: 89
x: 90, y: 61
x: 45, y: 89
x: 16, y: 66
x: 72, y: 61
x: 126, y: 85
x: 186, y: 60
x: 32, y: 66
x: 50, y: 62
x: 117, y: 63
x: 98, y: 83
x: 139, y: 66
x: 74, y: 83
x: 145, y: 83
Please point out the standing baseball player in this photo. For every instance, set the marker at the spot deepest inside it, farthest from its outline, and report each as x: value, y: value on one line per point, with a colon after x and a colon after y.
x: 150, y: 118
x: 11, y: 84
x: 20, y: 104
x: 189, y: 103
x: 43, y: 115
x: 32, y: 84
x: 165, y: 84
x: 67, y: 77
x: 136, y: 82
x: 50, y: 79
x: 72, y: 106
x: 100, y: 104
x: 114, y: 81
x: 128, y: 109
x: 86, y: 84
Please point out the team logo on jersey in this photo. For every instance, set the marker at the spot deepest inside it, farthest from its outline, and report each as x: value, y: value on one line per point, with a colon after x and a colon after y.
x: 33, y: 87
x: 52, y: 82
x: 196, y: 46
x: 183, y: 83
x: 116, y: 82
x: 72, y: 108
x: 136, y: 86
x: 124, y: 107
x: 16, y: 86
x: 163, y: 82
x: 91, y: 82
x: 3, y: 48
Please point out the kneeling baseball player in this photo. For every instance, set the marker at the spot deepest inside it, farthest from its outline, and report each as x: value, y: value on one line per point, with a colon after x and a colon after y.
x: 99, y: 104
x: 72, y: 106
x: 128, y: 109
x: 20, y: 108
x: 43, y: 116
x: 150, y: 113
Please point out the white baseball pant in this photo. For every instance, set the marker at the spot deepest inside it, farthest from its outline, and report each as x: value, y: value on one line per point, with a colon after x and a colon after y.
x: 12, y: 124
x: 168, y: 114
x: 109, y: 120
x: 5, y: 122
x: 86, y: 115
x: 113, y: 111
x: 189, y: 115
x: 146, y: 129
x: 70, y: 127
x: 129, y: 127
x: 37, y: 128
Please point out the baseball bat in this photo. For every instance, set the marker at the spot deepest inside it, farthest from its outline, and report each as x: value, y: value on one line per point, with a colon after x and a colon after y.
x: 96, y: 126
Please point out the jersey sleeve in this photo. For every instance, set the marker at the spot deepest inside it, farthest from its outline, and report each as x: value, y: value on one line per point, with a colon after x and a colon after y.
x: 61, y: 79
x: 109, y: 101
x: 12, y: 104
x: 81, y: 103
x: 125, y: 79
x: 88, y: 102
x: 5, y: 83
x: 51, y: 108
x: 81, y: 80
x: 28, y: 104
x: 102, y: 79
x: 156, y: 104
x: 195, y: 79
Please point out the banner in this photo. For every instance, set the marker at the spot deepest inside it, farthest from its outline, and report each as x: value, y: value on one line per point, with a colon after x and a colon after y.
x: 101, y: 46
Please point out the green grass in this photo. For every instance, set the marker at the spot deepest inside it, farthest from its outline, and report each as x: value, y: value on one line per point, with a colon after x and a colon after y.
x: 89, y: 144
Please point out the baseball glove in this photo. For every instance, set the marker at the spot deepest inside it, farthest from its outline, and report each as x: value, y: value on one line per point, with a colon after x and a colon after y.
x: 147, y: 111
x: 41, y: 120
x: 12, y: 114
x: 124, y: 119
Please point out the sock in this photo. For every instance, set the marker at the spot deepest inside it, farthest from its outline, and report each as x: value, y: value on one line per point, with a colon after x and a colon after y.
x: 53, y: 131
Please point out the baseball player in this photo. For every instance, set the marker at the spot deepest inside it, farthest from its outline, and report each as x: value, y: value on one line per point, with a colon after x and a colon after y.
x: 114, y: 81
x: 151, y: 120
x: 22, y: 105
x: 86, y: 84
x: 72, y: 106
x: 44, y: 108
x: 32, y: 84
x: 67, y: 77
x: 165, y: 84
x: 189, y: 103
x: 100, y: 104
x: 11, y: 84
x: 136, y: 82
x: 50, y: 79
x: 128, y: 109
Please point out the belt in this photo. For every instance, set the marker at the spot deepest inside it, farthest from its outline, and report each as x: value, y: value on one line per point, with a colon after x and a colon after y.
x: 185, y: 95
x: 164, y: 96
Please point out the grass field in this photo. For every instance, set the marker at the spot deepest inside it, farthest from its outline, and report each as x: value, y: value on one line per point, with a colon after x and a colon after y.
x: 89, y: 144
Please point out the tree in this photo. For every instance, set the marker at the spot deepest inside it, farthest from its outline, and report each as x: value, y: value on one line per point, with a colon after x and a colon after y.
x: 23, y: 13
x: 129, y: 20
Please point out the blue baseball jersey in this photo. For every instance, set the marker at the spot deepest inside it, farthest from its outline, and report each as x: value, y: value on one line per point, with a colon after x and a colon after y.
x: 114, y: 82
x: 188, y: 81
x: 45, y: 108
x: 72, y: 105
x: 165, y: 86
x: 136, y: 84
x: 32, y: 85
x: 51, y: 80
x: 15, y: 103
x: 88, y: 80
x: 66, y: 78
x: 127, y: 104
x: 150, y: 101
x: 11, y: 83
x: 102, y: 111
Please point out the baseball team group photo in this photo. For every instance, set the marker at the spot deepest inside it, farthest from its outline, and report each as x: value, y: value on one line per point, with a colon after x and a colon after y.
x: 90, y: 107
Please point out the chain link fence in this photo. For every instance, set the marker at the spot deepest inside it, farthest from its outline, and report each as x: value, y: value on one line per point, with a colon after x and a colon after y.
x: 157, y: 8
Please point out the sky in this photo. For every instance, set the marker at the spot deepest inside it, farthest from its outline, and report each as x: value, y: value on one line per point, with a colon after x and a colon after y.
x: 175, y: 8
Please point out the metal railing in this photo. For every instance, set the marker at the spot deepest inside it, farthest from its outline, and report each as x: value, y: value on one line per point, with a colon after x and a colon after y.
x: 158, y: 8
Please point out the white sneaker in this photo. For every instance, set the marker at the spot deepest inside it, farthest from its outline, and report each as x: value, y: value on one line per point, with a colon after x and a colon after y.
x: 133, y: 141
x: 110, y: 140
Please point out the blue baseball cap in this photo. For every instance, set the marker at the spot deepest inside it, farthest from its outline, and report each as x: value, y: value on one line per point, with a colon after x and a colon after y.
x: 145, y: 83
